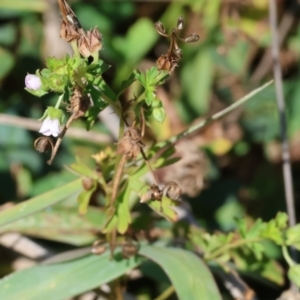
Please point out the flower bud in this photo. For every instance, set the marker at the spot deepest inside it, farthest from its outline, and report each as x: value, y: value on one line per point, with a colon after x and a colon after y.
x: 33, y: 82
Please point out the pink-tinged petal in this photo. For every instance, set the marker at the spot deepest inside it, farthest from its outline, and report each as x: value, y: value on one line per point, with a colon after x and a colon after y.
x: 33, y: 82
x: 45, y: 125
x: 50, y: 127
x: 47, y: 132
x: 55, y: 127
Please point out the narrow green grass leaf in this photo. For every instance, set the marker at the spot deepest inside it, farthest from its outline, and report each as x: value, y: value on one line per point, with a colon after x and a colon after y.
x: 60, y: 224
x: 40, y: 202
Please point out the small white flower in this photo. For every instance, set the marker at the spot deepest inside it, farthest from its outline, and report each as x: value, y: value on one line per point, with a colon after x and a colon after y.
x: 33, y: 82
x: 50, y: 127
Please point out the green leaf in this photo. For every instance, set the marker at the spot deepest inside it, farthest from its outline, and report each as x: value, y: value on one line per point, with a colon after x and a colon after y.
x: 38, y: 203
x: 149, y: 95
x: 126, y: 83
x: 65, y: 280
x: 82, y: 169
x: 105, y: 89
x: 6, y: 62
x: 165, y: 208
x: 123, y: 212
x: 84, y: 198
x: 294, y: 274
x: 94, y: 111
x: 98, y: 68
x: 189, y: 275
x: 197, y: 79
x: 255, y: 229
x: 139, y: 40
x: 281, y: 220
x: 159, y: 114
x: 27, y: 5
x: 242, y: 227
x: 257, y: 249
x: 37, y: 93
x: 293, y: 236
x: 151, y: 78
x: 272, y: 232
x: 61, y: 225
x: 273, y: 271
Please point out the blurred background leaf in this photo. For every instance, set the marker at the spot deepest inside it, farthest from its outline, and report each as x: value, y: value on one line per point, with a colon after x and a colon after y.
x: 232, y: 169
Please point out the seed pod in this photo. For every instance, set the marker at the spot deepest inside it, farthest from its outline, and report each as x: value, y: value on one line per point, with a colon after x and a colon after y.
x: 180, y: 23
x: 129, y: 249
x: 87, y: 183
x: 79, y: 103
x: 95, y: 40
x: 43, y: 144
x: 160, y: 28
x: 68, y: 32
x: 99, y: 247
x: 192, y: 38
x: 177, y: 54
x: 170, y: 60
x: 90, y: 43
x: 167, y: 63
x: 153, y: 193
x: 130, y: 145
x: 172, y: 190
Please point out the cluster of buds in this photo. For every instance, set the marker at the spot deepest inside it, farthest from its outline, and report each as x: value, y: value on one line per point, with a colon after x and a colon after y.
x: 170, y: 60
x: 88, y: 43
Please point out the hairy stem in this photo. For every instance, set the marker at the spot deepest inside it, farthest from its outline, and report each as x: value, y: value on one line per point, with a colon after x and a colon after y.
x: 60, y: 99
x: 120, y: 162
x: 117, y: 178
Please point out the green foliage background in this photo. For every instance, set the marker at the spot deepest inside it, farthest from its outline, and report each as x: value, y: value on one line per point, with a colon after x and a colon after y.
x: 243, y: 174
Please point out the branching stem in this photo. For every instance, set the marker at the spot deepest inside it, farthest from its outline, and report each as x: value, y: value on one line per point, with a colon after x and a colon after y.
x: 230, y: 246
x: 214, y: 117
